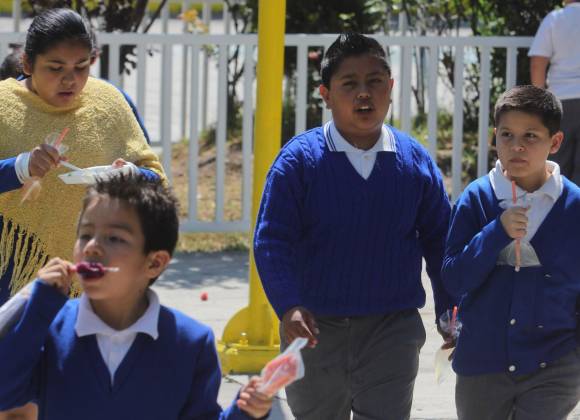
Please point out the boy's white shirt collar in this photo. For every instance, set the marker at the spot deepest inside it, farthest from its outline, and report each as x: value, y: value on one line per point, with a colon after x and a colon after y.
x: 502, y: 186
x: 337, y: 143
x: 89, y: 323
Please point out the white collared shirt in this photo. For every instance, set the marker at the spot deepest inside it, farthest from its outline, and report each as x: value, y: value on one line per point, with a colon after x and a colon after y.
x: 363, y: 161
x: 540, y: 201
x: 114, y: 344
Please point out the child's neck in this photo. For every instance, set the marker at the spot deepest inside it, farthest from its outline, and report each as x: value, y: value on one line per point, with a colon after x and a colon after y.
x: 361, y: 141
x: 122, y: 313
x: 532, y: 183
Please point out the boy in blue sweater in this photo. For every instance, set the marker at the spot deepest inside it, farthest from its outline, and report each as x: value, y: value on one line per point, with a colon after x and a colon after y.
x: 116, y: 353
x: 515, y: 267
x: 348, y: 212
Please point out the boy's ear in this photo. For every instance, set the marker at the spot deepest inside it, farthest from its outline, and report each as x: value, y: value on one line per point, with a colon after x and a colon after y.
x: 324, y: 91
x: 157, y: 261
x: 26, y: 65
x: 557, y: 140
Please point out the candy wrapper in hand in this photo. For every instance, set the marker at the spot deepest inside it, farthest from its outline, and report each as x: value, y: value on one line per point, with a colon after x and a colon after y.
x: 55, y: 140
x: 31, y: 188
x: 284, y: 369
x: 449, y: 323
x: 452, y: 326
x: 442, y: 364
x: 11, y: 311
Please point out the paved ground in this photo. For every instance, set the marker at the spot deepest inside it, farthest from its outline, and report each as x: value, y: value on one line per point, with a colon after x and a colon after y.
x: 224, y: 277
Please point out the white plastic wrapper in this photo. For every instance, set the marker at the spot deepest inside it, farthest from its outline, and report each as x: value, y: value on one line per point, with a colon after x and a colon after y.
x: 528, y: 256
x: 11, y: 311
x: 451, y: 325
x: 284, y: 369
x: 442, y: 364
x: 90, y: 175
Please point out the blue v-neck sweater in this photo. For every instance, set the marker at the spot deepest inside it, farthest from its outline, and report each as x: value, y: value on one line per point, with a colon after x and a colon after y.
x: 176, y: 376
x: 513, y: 322
x: 339, y: 245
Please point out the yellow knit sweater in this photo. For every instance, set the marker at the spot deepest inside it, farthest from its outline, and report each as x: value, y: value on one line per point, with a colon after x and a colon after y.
x: 102, y: 129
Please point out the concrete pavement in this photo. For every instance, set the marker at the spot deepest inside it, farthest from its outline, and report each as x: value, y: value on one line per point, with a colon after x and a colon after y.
x: 224, y: 276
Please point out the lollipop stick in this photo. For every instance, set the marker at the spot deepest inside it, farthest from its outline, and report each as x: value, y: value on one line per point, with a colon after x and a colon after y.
x: 518, y: 243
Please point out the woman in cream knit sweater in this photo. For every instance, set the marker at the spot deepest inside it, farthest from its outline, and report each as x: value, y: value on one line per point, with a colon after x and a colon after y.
x: 56, y: 94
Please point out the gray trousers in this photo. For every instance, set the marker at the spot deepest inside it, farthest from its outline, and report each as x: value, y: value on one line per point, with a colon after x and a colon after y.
x: 550, y: 393
x: 364, y: 365
x: 568, y: 157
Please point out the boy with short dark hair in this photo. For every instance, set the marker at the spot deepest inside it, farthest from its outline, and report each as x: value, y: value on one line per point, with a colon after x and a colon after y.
x: 116, y: 353
x: 512, y: 259
x: 348, y: 211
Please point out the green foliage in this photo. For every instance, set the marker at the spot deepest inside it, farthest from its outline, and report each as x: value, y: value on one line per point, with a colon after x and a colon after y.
x: 174, y: 8
x: 114, y: 16
x: 479, y: 18
x: 6, y: 7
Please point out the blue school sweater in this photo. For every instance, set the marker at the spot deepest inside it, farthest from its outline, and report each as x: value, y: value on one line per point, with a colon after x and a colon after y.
x: 176, y: 376
x: 513, y: 322
x: 340, y: 245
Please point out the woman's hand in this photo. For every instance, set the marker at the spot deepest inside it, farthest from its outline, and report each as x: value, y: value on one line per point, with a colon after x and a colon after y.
x: 57, y: 273
x: 256, y: 404
x: 42, y: 159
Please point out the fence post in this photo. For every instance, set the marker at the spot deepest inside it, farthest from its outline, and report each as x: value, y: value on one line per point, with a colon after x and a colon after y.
x: 16, y: 14
x: 250, y: 338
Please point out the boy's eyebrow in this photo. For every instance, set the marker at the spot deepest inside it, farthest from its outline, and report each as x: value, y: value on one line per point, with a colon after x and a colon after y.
x: 348, y: 76
x: 121, y: 226
x: 354, y: 75
x: 376, y: 73
x: 537, y: 128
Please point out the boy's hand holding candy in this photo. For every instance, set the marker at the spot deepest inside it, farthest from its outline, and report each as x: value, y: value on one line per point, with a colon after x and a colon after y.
x: 515, y: 222
x: 57, y: 273
x: 256, y: 404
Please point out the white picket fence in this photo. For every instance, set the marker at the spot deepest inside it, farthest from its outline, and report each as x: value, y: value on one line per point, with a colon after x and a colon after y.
x: 180, y: 53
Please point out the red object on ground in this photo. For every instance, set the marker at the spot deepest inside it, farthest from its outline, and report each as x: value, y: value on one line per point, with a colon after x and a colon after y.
x: 203, y: 296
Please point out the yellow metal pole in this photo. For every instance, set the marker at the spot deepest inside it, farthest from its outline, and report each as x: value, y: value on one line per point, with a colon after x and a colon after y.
x: 250, y: 338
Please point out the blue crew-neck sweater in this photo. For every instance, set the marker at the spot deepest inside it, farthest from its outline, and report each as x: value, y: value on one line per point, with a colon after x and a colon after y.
x: 176, y: 376
x: 339, y: 245
x: 513, y: 322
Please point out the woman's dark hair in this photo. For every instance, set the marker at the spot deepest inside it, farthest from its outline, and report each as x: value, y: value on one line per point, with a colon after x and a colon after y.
x: 53, y: 26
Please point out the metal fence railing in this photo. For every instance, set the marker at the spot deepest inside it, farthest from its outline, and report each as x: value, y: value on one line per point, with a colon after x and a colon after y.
x: 168, y: 88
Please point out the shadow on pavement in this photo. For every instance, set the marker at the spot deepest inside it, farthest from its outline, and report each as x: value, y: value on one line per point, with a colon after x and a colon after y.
x: 225, y: 270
